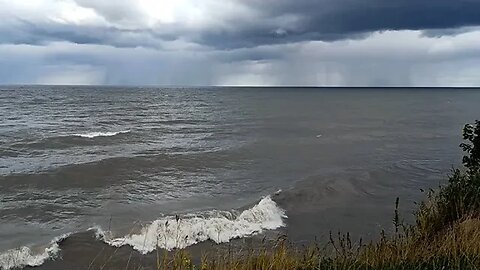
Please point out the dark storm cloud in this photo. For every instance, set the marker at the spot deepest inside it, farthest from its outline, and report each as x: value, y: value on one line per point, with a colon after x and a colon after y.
x: 329, y: 20
x: 241, y: 42
x: 346, y: 16
x: 271, y: 22
x: 447, y: 31
x: 26, y: 32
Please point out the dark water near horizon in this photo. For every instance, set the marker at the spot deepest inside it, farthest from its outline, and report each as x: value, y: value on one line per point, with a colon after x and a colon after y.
x: 125, y: 160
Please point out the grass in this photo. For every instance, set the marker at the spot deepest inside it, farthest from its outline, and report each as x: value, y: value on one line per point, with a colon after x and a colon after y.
x: 458, y: 247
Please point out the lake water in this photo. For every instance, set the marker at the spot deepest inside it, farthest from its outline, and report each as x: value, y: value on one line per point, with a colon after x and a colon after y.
x: 89, y: 167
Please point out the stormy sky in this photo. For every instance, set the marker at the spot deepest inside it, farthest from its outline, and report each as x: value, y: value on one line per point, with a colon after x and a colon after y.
x: 241, y: 42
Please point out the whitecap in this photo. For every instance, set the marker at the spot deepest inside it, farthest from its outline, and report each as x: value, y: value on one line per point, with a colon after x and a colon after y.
x: 91, y: 135
x: 218, y: 226
x: 25, y: 256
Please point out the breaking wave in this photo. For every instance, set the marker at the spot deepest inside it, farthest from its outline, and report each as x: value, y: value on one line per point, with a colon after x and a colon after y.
x: 218, y: 226
x: 26, y: 256
x: 91, y: 135
x: 168, y: 233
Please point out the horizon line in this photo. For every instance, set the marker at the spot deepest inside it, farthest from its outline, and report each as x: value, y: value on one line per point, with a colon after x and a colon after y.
x: 238, y: 86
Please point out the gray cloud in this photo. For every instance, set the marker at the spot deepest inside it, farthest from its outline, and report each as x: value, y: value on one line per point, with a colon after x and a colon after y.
x: 417, y: 60
x: 262, y: 23
x: 268, y: 42
x: 329, y: 20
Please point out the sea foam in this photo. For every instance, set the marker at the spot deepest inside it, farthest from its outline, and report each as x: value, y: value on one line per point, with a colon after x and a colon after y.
x: 218, y: 226
x: 91, y: 135
x: 25, y: 256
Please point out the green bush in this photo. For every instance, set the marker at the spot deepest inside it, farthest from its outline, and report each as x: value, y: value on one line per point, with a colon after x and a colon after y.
x: 460, y: 198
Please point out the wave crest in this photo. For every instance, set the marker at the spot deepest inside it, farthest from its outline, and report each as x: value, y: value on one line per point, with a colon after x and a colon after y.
x: 172, y: 232
x: 91, y: 135
x: 25, y: 256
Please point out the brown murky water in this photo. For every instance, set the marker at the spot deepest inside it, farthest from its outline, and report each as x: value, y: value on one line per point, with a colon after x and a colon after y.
x: 126, y: 160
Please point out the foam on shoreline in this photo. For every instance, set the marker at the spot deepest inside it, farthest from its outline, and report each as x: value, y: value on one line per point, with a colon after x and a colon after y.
x: 26, y: 256
x: 219, y: 226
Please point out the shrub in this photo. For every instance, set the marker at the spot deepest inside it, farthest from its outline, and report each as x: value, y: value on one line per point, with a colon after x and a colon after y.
x: 460, y: 198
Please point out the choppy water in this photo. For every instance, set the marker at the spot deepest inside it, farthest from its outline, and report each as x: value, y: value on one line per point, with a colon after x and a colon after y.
x: 125, y: 160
